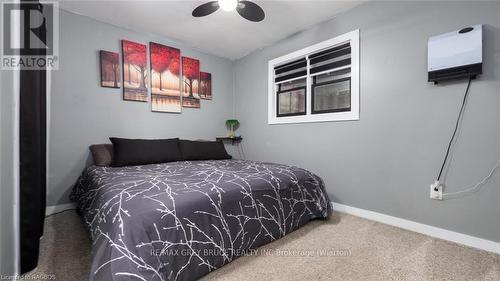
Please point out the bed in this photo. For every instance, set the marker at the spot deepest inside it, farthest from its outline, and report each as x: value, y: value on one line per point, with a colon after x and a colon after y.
x: 182, y: 220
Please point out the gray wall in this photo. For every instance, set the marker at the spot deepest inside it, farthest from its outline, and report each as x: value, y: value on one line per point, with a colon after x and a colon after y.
x: 386, y: 161
x: 7, y: 247
x: 83, y: 113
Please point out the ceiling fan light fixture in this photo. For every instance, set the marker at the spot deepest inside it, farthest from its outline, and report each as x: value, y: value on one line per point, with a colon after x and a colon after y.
x: 247, y: 9
x: 228, y: 5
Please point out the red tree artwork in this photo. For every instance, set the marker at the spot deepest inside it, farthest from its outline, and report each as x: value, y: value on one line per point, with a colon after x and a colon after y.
x: 110, y: 69
x: 165, y: 81
x: 205, y: 85
x: 134, y: 71
x: 191, y: 77
x: 164, y: 58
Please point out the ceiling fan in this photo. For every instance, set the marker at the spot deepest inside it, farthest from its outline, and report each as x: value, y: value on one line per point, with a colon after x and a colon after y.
x: 246, y: 9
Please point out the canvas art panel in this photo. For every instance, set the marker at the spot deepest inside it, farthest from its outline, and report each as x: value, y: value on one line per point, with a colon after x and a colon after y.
x: 190, y: 82
x: 205, y: 85
x: 110, y: 69
x: 135, y: 73
x: 165, y: 78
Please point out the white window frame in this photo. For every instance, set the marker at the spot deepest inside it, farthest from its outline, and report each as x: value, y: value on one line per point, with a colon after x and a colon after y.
x: 353, y: 38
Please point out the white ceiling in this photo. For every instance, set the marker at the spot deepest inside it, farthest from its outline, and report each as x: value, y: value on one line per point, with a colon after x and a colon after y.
x: 224, y: 34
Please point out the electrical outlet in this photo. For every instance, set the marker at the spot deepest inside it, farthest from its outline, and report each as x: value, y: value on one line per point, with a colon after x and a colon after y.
x: 437, y: 191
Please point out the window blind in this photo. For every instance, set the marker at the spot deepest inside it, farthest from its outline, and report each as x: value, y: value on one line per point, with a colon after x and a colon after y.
x: 294, y: 69
x: 331, y: 58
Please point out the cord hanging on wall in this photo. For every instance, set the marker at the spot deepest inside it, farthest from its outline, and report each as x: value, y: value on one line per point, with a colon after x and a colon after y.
x: 457, y: 125
x: 437, y: 187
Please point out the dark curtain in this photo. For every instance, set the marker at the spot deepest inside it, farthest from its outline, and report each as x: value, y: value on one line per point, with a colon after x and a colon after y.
x: 32, y: 157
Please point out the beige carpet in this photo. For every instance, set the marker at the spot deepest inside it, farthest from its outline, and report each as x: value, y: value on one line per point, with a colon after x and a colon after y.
x: 342, y: 248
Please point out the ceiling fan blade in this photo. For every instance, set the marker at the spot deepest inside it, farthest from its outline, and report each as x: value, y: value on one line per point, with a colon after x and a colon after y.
x: 250, y: 11
x: 206, y: 9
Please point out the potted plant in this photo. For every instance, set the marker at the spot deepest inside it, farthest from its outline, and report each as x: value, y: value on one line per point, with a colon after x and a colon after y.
x: 232, y: 124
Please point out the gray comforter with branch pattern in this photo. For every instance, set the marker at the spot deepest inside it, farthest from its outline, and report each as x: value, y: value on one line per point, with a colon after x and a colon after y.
x: 181, y: 220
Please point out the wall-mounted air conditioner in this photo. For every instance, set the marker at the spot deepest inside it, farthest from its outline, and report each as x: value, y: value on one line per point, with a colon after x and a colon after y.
x: 456, y: 54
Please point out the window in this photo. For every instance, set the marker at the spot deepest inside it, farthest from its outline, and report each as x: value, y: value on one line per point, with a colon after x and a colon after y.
x: 316, y: 84
x: 291, y: 98
x: 331, y: 92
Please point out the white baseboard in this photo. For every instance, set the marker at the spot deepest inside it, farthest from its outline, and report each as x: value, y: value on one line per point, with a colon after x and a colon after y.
x: 49, y: 210
x: 433, y: 231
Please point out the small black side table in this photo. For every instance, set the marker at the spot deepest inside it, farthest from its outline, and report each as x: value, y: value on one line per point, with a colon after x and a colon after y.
x: 234, y: 141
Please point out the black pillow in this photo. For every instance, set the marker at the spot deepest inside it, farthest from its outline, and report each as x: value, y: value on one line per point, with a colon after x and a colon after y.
x: 131, y: 152
x: 203, y: 150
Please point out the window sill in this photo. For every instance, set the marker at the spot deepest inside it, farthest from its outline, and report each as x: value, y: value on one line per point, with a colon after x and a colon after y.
x: 325, y: 117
